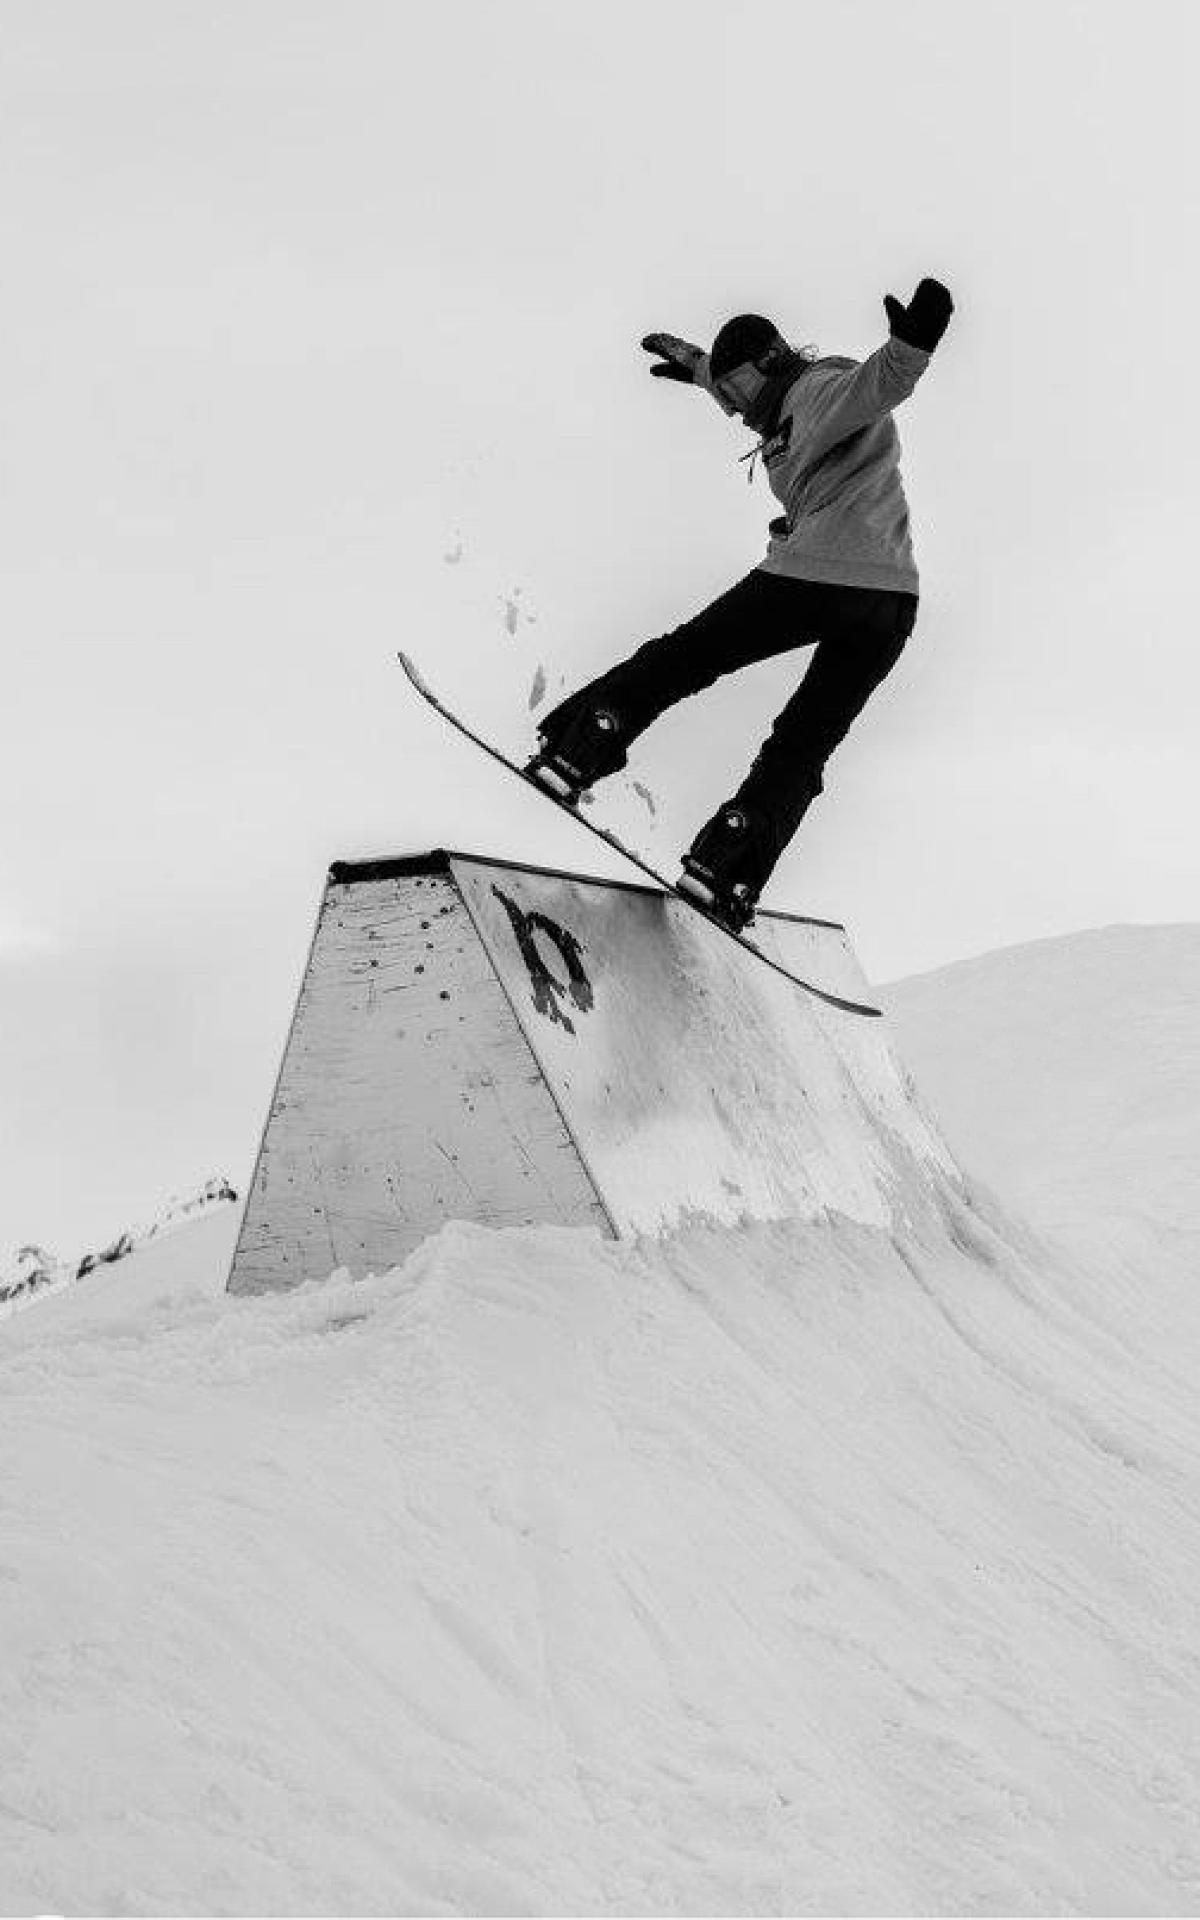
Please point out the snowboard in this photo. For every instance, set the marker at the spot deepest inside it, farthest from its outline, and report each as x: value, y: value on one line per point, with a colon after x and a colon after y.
x: 417, y: 681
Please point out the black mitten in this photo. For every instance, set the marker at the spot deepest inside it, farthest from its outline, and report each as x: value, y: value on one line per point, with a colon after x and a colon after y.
x: 925, y: 319
x: 681, y: 359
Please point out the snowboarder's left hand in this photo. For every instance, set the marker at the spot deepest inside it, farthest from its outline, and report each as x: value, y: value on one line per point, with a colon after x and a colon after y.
x: 682, y: 361
x: 925, y: 319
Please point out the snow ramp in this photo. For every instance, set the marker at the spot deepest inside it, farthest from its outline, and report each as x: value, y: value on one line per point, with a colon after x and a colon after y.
x: 517, y: 1046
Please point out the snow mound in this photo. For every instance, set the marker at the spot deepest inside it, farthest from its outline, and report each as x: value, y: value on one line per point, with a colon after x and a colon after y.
x: 773, y: 1570
x: 791, y: 1568
x: 1066, y: 1073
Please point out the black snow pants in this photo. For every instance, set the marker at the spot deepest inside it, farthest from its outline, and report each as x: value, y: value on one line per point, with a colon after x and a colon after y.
x: 858, y: 634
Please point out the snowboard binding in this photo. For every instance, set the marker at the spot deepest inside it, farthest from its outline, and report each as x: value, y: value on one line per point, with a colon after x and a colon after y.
x: 732, y: 906
x: 578, y: 747
x: 726, y: 866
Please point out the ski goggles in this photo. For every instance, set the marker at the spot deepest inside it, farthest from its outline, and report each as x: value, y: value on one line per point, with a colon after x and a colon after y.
x: 739, y: 388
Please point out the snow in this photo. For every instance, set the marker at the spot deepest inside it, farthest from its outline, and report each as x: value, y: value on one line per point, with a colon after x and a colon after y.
x: 32, y: 1272
x: 784, y: 1568
x: 1068, y: 1071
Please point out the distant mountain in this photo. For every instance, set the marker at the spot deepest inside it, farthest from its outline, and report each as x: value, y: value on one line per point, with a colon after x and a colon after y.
x: 32, y: 1270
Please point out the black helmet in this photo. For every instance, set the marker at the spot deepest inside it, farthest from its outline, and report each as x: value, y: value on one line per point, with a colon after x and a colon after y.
x: 747, y: 338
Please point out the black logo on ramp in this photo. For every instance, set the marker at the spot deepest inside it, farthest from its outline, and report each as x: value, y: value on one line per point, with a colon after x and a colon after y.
x: 550, y: 994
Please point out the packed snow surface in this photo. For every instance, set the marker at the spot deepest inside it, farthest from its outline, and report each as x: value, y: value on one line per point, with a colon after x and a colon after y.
x: 1068, y: 1071
x: 787, y: 1568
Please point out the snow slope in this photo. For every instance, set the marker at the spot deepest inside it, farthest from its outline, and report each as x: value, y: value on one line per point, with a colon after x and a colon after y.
x: 782, y: 1569
x: 31, y: 1273
x: 1067, y: 1072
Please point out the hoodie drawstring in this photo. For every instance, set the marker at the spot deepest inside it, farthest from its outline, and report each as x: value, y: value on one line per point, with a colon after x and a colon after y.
x: 752, y: 456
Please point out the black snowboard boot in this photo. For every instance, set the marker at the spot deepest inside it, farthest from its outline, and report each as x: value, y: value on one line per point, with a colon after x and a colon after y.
x: 728, y: 864
x: 581, y: 742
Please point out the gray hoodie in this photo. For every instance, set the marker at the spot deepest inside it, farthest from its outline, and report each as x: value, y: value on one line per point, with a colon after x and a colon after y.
x: 833, y: 463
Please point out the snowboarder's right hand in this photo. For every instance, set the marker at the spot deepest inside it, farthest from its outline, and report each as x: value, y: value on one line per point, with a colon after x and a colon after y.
x: 681, y: 360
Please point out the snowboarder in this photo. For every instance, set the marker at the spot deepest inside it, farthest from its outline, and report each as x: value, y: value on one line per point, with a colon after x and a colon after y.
x: 839, y: 576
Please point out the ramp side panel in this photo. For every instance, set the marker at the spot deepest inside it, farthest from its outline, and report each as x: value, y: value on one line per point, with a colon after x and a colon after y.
x: 693, y: 1079
x: 408, y: 1096
x: 891, y: 1105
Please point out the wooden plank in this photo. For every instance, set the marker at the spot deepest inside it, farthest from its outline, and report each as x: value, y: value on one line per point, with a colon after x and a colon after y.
x: 408, y: 1096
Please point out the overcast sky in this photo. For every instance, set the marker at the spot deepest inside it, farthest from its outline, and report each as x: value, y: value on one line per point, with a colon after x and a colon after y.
x: 321, y: 333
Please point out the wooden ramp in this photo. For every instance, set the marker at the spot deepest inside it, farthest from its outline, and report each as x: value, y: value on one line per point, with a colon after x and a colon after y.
x: 479, y: 1040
